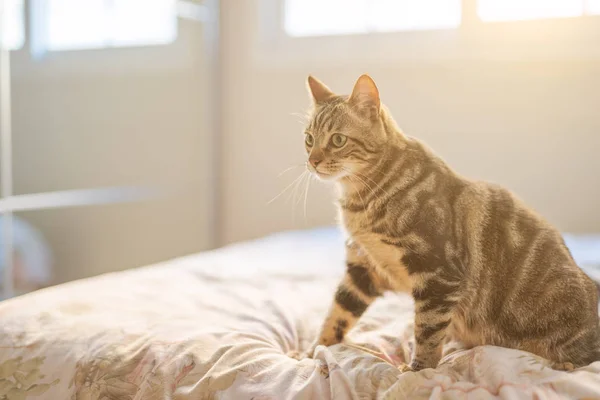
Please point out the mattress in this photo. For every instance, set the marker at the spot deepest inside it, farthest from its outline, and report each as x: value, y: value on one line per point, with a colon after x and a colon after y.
x: 218, y: 325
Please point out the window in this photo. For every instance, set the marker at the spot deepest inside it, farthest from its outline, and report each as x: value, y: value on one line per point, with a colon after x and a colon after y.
x: 592, y: 7
x: 89, y: 24
x: 335, y: 17
x: 514, y: 10
x: 12, y: 24
x: 340, y: 17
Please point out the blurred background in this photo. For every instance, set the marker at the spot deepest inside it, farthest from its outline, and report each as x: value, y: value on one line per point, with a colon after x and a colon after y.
x: 136, y: 131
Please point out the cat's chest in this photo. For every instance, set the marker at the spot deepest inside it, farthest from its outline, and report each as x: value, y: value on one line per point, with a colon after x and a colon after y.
x: 358, y: 225
x: 361, y: 225
x: 386, y: 256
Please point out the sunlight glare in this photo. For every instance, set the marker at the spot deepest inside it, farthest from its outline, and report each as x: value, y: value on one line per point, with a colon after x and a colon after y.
x: 514, y: 10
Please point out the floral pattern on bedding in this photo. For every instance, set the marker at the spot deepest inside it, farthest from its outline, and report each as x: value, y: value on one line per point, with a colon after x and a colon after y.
x: 21, y: 379
x: 204, y: 328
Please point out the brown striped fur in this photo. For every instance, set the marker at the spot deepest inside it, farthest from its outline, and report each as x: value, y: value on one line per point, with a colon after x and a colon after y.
x: 482, y: 267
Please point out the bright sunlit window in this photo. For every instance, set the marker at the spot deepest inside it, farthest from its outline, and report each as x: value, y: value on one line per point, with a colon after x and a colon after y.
x: 592, y: 7
x: 12, y: 25
x: 338, y: 17
x: 341, y: 17
x: 89, y: 24
x: 514, y: 10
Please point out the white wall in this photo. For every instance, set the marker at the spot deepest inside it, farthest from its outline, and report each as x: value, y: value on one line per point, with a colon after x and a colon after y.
x: 532, y: 126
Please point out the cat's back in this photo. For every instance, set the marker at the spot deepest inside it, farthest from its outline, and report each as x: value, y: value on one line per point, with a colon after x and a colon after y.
x: 515, y: 255
x: 508, y: 239
x: 523, y: 288
x: 503, y: 218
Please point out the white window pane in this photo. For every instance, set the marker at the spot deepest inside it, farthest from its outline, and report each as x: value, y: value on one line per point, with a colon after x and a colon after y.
x: 325, y: 17
x: 330, y: 17
x: 512, y: 10
x: 76, y: 24
x: 399, y: 15
x: 593, y: 6
x: 156, y: 25
x: 12, y: 25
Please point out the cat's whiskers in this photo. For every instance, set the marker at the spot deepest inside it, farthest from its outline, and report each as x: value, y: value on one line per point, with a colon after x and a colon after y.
x: 294, y: 194
x: 376, y: 183
x: 287, y: 188
x: 297, y: 193
x: 289, y: 169
x: 359, y: 195
x: 303, y: 118
x: 360, y: 180
x: 306, y: 195
x: 371, y: 190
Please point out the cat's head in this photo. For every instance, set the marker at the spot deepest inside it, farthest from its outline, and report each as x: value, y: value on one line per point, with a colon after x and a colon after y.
x: 345, y: 134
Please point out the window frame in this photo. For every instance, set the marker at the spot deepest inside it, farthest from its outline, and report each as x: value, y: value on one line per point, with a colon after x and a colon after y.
x: 39, y: 12
x: 374, y: 29
x: 543, y: 39
x: 173, y: 56
x: 22, y: 31
x: 36, y: 10
x: 32, y: 10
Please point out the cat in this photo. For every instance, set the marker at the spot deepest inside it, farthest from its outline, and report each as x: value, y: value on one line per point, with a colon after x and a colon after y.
x: 482, y: 267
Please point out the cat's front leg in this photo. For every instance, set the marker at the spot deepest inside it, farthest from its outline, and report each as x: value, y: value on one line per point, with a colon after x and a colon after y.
x: 435, y: 300
x: 346, y: 309
x: 357, y: 290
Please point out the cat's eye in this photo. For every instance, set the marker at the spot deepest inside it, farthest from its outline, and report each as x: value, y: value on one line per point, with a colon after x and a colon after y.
x: 309, y: 140
x: 338, y: 140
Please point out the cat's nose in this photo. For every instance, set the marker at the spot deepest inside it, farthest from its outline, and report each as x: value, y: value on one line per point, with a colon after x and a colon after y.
x: 314, y: 161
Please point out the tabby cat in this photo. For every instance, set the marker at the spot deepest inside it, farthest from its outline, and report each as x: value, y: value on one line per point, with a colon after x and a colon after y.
x: 481, y: 266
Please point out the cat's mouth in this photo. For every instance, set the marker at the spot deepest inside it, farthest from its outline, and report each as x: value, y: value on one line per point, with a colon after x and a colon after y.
x: 325, y: 175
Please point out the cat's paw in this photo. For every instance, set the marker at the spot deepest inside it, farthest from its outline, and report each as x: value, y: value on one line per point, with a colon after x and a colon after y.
x: 404, y: 368
x: 417, y: 365
x: 563, y: 366
x: 301, y: 355
x: 296, y: 354
x: 414, y: 366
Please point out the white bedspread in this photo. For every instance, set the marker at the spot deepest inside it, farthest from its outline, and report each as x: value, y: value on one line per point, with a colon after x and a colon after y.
x: 218, y: 326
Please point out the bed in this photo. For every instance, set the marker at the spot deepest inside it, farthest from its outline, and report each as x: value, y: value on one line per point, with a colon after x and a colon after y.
x: 218, y: 325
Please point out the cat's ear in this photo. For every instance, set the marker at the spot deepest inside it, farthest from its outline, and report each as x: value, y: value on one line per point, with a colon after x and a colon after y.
x: 365, y: 97
x: 319, y: 92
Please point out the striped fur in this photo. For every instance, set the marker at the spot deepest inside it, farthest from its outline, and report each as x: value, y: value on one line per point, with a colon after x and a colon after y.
x: 481, y: 266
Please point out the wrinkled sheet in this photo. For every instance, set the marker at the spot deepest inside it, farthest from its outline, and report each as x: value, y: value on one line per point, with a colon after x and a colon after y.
x: 218, y: 326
